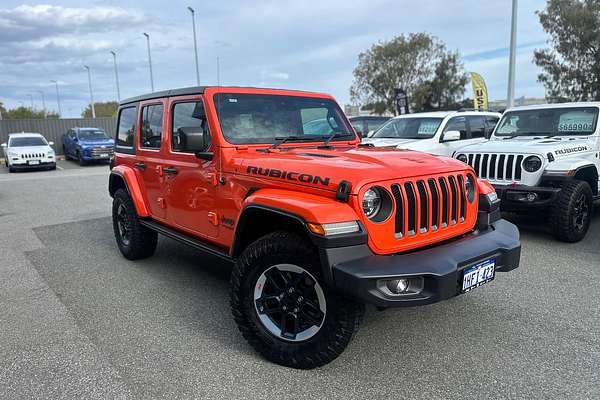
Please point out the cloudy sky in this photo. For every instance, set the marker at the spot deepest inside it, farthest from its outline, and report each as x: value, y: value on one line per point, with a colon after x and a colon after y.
x: 303, y: 44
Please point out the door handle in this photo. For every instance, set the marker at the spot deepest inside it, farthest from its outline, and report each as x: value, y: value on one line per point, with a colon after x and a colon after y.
x: 170, y: 170
x: 140, y: 165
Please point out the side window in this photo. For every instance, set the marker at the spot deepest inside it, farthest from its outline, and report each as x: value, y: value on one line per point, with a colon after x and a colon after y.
x: 151, y: 128
x: 490, y: 124
x: 189, y: 126
x: 477, y: 125
x: 126, y: 127
x: 458, y: 124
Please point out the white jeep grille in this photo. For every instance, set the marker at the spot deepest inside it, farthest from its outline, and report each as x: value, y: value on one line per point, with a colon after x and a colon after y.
x: 497, y: 166
x: 30, y: 156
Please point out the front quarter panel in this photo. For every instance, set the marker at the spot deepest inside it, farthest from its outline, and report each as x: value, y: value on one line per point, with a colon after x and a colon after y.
x: 309, y: 207
x: 133, y: 187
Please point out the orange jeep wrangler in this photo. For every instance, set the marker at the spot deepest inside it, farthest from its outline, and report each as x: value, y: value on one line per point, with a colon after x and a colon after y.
x: 315, y: 224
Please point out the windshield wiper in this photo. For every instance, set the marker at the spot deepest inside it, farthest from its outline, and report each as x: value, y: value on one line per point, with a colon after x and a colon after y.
x: 284, y: 139
x: 333, y: 136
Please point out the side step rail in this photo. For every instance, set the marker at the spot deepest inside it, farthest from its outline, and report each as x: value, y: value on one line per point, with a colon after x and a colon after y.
x: 185, y: 239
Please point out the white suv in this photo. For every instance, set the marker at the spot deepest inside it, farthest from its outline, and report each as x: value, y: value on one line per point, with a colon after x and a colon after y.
x: 28, y: 150
x: 544, y: 158
x: 441, y: 132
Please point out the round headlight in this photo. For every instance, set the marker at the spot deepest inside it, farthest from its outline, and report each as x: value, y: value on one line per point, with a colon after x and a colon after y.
x: 532, y: 163
x: 470, y: 187
x: 371, y: 202
x: 377, y: 204
x: 463, y: 158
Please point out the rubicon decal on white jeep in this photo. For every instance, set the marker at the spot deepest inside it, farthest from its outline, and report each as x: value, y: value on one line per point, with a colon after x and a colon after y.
x: 544, y: 158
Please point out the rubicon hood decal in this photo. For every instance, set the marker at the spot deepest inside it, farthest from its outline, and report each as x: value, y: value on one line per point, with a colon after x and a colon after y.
x: 571, y: 150
x: 289, y: 175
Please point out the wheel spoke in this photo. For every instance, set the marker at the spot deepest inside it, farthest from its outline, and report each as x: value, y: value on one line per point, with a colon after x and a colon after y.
x: 277, y: 279
x: 268, y: 304
x: 313, y: 318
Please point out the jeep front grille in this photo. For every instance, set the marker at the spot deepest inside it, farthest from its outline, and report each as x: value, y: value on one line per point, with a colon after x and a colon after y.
x: 30, y: 156
x: 497, y: 167
x: 429, y: 204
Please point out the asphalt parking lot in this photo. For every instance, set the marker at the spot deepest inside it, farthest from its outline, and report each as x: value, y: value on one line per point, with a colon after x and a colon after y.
x: 80, y: 321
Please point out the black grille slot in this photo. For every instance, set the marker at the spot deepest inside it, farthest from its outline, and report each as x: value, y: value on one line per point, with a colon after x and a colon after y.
x: 471, y: 160
x: 501, y: 166
x: 454, y: 199
x: 424, y: 207
x: 399, y: 210
x: 484, y: 166
x: 477, y: 166
x: 411, y: 208
x: 435, y: 204
x: 509, y: 166
x: 518, y: 169
x: 444, y: 205
x: 463, y: 198
x: 493, y: 159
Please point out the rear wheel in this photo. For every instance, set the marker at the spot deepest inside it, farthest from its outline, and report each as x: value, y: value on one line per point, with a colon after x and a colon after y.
x: 573, y: 211
x: 283, y: 308
x: 133, y: 239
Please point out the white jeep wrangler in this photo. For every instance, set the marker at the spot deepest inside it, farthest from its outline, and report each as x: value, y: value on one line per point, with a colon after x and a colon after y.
x: 439, y: 132
x: 544, y: 158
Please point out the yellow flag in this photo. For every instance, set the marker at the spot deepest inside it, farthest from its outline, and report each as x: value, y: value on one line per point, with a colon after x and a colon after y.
x: 480, y: 94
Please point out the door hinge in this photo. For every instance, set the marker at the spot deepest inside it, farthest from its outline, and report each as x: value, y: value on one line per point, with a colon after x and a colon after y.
x: 161, y: 202
x: 213, y: 218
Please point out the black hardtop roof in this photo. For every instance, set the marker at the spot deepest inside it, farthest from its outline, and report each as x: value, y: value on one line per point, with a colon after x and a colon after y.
x: 189, y: 91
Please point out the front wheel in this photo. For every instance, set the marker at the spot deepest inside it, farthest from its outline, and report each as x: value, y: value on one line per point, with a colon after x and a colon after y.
x: 283, y: 308
x: 134, y: 240
x: 573, y: 211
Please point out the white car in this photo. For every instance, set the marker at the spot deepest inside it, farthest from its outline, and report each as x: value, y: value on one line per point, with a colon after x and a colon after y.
x: 440, y: 132
x: 544, y: 159
x: 28, y: 150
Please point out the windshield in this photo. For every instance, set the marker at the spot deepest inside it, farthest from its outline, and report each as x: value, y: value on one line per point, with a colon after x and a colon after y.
x: 258, y: 118
x: 92, y: 135
x: 27, y: 141
x: 409, y: 128
x: 549, y: 122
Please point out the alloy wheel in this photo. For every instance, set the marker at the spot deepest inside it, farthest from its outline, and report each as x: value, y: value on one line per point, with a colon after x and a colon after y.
x: 289, y: 302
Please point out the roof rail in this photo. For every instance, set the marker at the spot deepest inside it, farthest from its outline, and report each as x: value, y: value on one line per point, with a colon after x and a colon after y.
x: 466, y: 109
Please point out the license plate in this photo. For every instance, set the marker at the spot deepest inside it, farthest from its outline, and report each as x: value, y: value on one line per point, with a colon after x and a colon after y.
x: 33, y: 162
x: 103, y: 155
x: 478, y: 275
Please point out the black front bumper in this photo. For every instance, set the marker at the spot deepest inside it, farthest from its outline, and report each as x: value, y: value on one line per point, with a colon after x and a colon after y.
x: 356, y: 271
x: 513, y: 197
x: 41, y: 165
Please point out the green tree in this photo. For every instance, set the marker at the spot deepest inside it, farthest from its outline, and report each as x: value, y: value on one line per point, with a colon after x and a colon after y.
x: 571, y: 66
x: 433, y: 77
x: 2, y: 111
x: 27, y: 113
x: 103, y: 109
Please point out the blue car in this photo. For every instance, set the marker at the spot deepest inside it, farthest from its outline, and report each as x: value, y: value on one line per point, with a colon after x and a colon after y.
x: 87, y: 145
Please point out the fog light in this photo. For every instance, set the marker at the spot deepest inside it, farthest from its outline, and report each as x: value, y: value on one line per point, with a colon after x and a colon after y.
x: 531, y: 197
x: 397, y: 286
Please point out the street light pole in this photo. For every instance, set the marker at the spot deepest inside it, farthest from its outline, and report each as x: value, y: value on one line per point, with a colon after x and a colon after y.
x: 57, y: 97
x: 31, y: 99
x: 195, y: 45
x: 114, y: 54
x: 43, y: 102
x: 149, y: 61
x: 510, y: 98
x: 91, y: 92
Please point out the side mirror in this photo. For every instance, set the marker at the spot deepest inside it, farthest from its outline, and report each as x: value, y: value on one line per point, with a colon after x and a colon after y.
x: 370, y: 133
x: 50, y: 143
x: 193, y: 140
x: 75, y: 139
x: 450, y: 136
x: 3, y: 145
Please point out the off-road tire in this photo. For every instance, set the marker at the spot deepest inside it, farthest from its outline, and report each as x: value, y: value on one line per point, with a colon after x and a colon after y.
x: 342, y: 317
x: 141, y: 241
x: 564, y: 210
